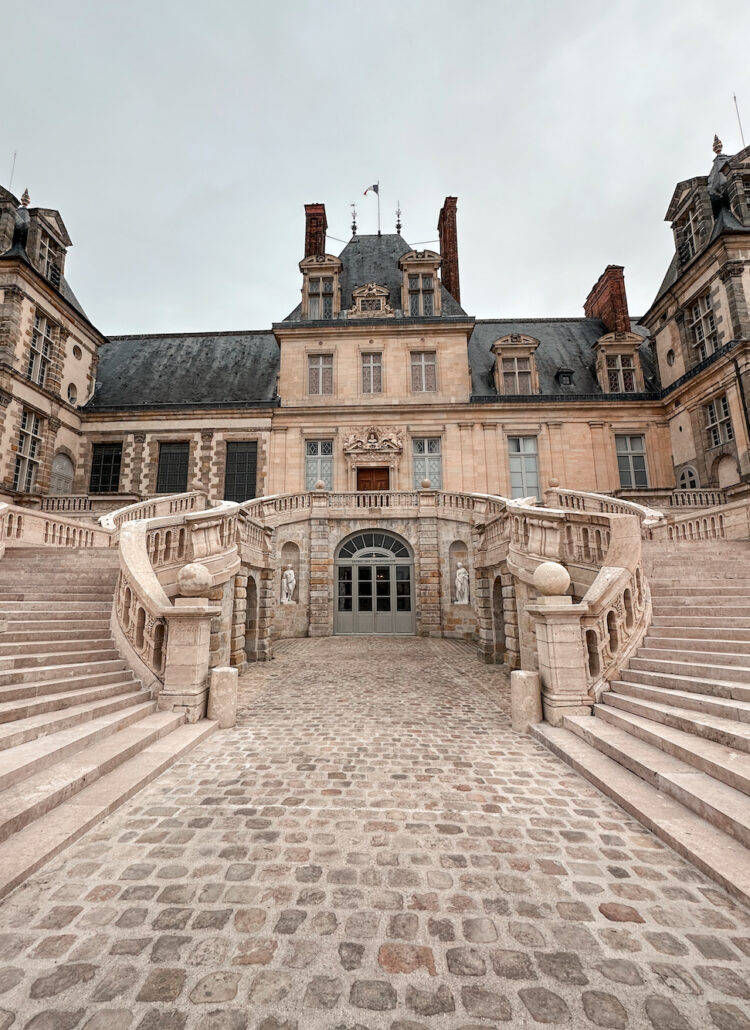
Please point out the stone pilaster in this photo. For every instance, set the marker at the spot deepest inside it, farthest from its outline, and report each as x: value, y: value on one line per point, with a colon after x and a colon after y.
x: 238, y: 655
x: 204, y: 464
x: 731, y: 275
x: 321, y: 614
x: 429, y: 619
x: 10, y: 323
x: 136, y: 468
x: 51, y: 428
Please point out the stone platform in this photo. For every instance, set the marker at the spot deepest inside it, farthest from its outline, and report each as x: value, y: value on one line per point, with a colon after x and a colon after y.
x: 372, y: 847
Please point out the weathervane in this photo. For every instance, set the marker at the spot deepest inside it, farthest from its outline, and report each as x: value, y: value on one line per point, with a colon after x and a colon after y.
x: 354, y: 219
x: 398, y: 216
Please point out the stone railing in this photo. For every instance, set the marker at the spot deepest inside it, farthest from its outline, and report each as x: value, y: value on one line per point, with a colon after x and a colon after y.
x: 657, y: 498
x: 579, y: 500
x: 66, y: 502
x: 355, y: 499
x: 156, y: 507
x: 25, y: 527
x: 729, y: 521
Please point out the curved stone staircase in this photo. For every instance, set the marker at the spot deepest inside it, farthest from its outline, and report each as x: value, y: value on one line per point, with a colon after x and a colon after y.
x: 670, y: 741
x: 78, y: 733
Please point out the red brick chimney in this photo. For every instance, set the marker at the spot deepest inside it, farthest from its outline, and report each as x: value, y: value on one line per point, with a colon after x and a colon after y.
x: 449, y: 248
x: 608, y: 300
x: 316, y: 224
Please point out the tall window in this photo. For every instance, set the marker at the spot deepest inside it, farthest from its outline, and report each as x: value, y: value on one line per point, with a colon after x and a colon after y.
x: 690, y: 237
x: 421, y: 295
x: 320, y: 373
x: 106, y: 459
x: 372, y: 373
x: 172, y: 476
x: 620, y: 373
x: 524, y: 468
x: 320, y: 295
x: 241, y: 469
x: 428, y: 461
x: 424, y: 371
x: 41, y: 350
x: 703, y: 327
x: 719, y: 421
x: 50, y: 258
x: 631, y: 461
x: 516, y: 375
x: 318, y: 463
x: 29, y: 452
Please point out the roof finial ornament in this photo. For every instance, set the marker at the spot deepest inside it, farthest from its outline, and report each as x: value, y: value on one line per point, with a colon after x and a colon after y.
x: 354, y: 219
x: 398, y: 216
x: 717, y: 145
x: 25, y: 199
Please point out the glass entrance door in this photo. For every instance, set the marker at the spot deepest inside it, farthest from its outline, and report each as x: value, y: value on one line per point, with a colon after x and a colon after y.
x: 374, y: 588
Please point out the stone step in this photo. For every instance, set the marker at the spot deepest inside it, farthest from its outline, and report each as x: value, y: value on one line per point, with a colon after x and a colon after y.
x: 53, y: 629
x: 710, y: 687
x: 704, y: 670
x: 24, y: 802
x: 25, y: 760
x: 62, y: 641
x: 720, y: 622
x: 725, y: 763
x: 714, y: 852
x: 78, y: 594
x: 721, y: 707
x: 724, y: 807
x: 51, y: 574
x: 17, y: 682
x: 732, y: 611
x: 688, y: 598
x: 57, y: 619
x: 702, y: 592
x: 20, y: 731
x: 44, y: 609
x: 63, y: 694
x: 679, y: 631
x: 696, y: 659
x: 684, y: 645
x: 93, y: 652
x: 722, y: 729
x: 23, y: 853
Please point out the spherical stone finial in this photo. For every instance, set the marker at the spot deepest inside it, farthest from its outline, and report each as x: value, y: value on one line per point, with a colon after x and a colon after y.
x: 25, y: 198
x: 426, y: 484
x: 554, y: 483
x: 717, y: 145
x: 320, y: 485
x: 551, y: 579
x: 194, y: 580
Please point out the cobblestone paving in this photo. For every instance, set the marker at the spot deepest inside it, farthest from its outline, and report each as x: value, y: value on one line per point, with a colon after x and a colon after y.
x: 372, y: 848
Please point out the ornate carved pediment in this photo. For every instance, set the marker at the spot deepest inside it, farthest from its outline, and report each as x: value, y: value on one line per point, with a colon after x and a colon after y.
x: 373, y: 440
x: 370, y: 300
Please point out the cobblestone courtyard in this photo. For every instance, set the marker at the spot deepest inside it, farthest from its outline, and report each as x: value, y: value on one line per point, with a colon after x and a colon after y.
x: 372, y: 848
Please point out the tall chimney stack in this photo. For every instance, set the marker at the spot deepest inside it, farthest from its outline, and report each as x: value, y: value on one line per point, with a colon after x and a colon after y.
x: 608, y: 300
x: 449, y: 248
x: 316, y: 224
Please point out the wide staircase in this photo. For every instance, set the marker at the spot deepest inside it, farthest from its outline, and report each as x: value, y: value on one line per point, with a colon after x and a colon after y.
x: 670, y: 742
x: 78, y: 733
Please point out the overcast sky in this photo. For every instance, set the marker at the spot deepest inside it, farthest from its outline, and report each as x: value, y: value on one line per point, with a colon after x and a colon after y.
x: 180, y: 141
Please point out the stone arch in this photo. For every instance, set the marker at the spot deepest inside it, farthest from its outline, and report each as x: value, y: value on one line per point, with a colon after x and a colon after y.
x: 61, y: 476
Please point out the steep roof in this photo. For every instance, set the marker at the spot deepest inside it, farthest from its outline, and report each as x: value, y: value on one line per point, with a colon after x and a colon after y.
x: 191, y: 370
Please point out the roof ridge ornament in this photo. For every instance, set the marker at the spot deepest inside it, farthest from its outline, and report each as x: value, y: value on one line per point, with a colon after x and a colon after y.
x: 25, y: 198
x: 717, y: 145
x: 398, y: 216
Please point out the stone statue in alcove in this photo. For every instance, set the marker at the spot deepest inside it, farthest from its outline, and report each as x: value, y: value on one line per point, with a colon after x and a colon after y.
x: 288, y: 583
x: 462, y: 584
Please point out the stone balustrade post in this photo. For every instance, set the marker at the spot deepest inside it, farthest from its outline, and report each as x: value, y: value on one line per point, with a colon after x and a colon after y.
x: 188, y: 645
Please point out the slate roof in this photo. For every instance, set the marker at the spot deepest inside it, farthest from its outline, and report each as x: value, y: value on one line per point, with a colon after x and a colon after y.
x: 374, y: 259
x: 191, y: 370
x: 563, y: 343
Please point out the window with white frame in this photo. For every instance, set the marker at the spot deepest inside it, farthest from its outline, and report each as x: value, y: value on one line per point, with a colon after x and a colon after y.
x: 688, y: 479
x: 320, y: 297
x: 372, y: 373
x: 620, y: 373
x: 689, y: 234
x: 29, y: 451
x: 423, y: 371
x: 40, y: 353
x: 421, y: 295
x: 703, y: 327
x: 516, y: 375
x: 318, y: 463
x: 428, y: 461
x: 524, y: 466
x: 719, y: 421
x: 631, y: 461
x: 50, y: 259
x: 320, y: 373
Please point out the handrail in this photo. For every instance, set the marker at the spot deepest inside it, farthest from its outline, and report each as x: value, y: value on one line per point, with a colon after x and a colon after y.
x: 155, y: 507
x: 581, y: 500
x: 27, y: 527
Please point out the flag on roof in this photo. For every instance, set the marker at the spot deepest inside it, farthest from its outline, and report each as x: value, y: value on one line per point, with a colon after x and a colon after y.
x: 375, y: 188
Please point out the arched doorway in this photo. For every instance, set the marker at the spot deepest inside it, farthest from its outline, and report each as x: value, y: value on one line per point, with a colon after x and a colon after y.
x: 374, y: 593
x: 61, y: 476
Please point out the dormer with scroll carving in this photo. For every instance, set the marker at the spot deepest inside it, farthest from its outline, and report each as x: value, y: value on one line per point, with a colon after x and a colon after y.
x: 420, y: 286
x: 370, y: 301
x: 515, y: 367
x: 321, y: 292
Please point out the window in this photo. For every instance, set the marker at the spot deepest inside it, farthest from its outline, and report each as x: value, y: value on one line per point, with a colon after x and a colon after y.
x: 670, y: 357
x: 72, y: 393
x: 524, y: 470
x: 320, y: 373
x: 421, y: 295
x: 241, y: 468
x: 320, y: 297
x: 516, y: 375
x: 172, y: 476
x: 620, y: 373
x: 631, y: 461
x: 105, y: 468
x: 689, y: 235
x: 719, y: 421
x: 367, y: 304
x: 28, y: 453
x: 424, y: 371
x: 703, y: 327
x: 50, y: 259
x: 428, y: 461
x: 372, y: 373
x: 318, y: 463
x: 688, y: 479
x: 41, y: 350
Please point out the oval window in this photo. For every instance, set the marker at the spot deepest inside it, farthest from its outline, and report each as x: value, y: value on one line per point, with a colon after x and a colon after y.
x: 72, y: 393
x: 670, y: 357
x: 77, y: 352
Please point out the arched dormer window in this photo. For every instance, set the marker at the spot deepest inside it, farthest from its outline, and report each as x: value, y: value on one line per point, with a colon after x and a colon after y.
x: 321, y: 294
x: 618, y: 363
x: 420, y: 289
x: 515, y: 367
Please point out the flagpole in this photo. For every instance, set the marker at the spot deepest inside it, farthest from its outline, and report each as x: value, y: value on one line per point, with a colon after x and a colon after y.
x: 378, y: 207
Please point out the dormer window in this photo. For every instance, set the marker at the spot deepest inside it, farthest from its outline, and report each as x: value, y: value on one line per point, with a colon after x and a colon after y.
x: 564, y: 376
x: 621, y: 373
x: 690, y: 234
x: 50, y: 259
x: 40, y: 352
x: 321, y: 296
x: 320, y: 290
x: 516, y: 375
x: 515, y: 368
x: 421, y: 295
x: 703, y: 327
x: 370, y: 301
x: 617, y: 366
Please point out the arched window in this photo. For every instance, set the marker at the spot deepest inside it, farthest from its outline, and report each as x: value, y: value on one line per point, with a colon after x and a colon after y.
x: 61, y: 477
x: 688, y: 479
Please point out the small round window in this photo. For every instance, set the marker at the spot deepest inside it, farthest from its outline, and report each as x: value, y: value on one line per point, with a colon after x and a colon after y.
x: 77, y: 352
x: 72, y: 393
x: 670, y: 357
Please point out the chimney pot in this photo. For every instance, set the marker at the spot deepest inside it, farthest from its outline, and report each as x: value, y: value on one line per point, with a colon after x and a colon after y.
x: 608, y: 300
x: 316, y: 224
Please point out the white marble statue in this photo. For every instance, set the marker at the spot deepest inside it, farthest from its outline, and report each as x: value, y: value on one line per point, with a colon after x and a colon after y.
x: 462, y: 584
x: 288, y: 583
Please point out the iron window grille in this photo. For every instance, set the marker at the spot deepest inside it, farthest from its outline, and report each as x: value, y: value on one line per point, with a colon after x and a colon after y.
x: 106, y: 459
x: 172, y: 476
x: 241, y: 470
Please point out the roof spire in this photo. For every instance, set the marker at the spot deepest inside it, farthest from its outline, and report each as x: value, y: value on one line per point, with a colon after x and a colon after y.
x: 25, y: 199
x: 354, y: 219
x: 717, y: 145
x: 398, y: 216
